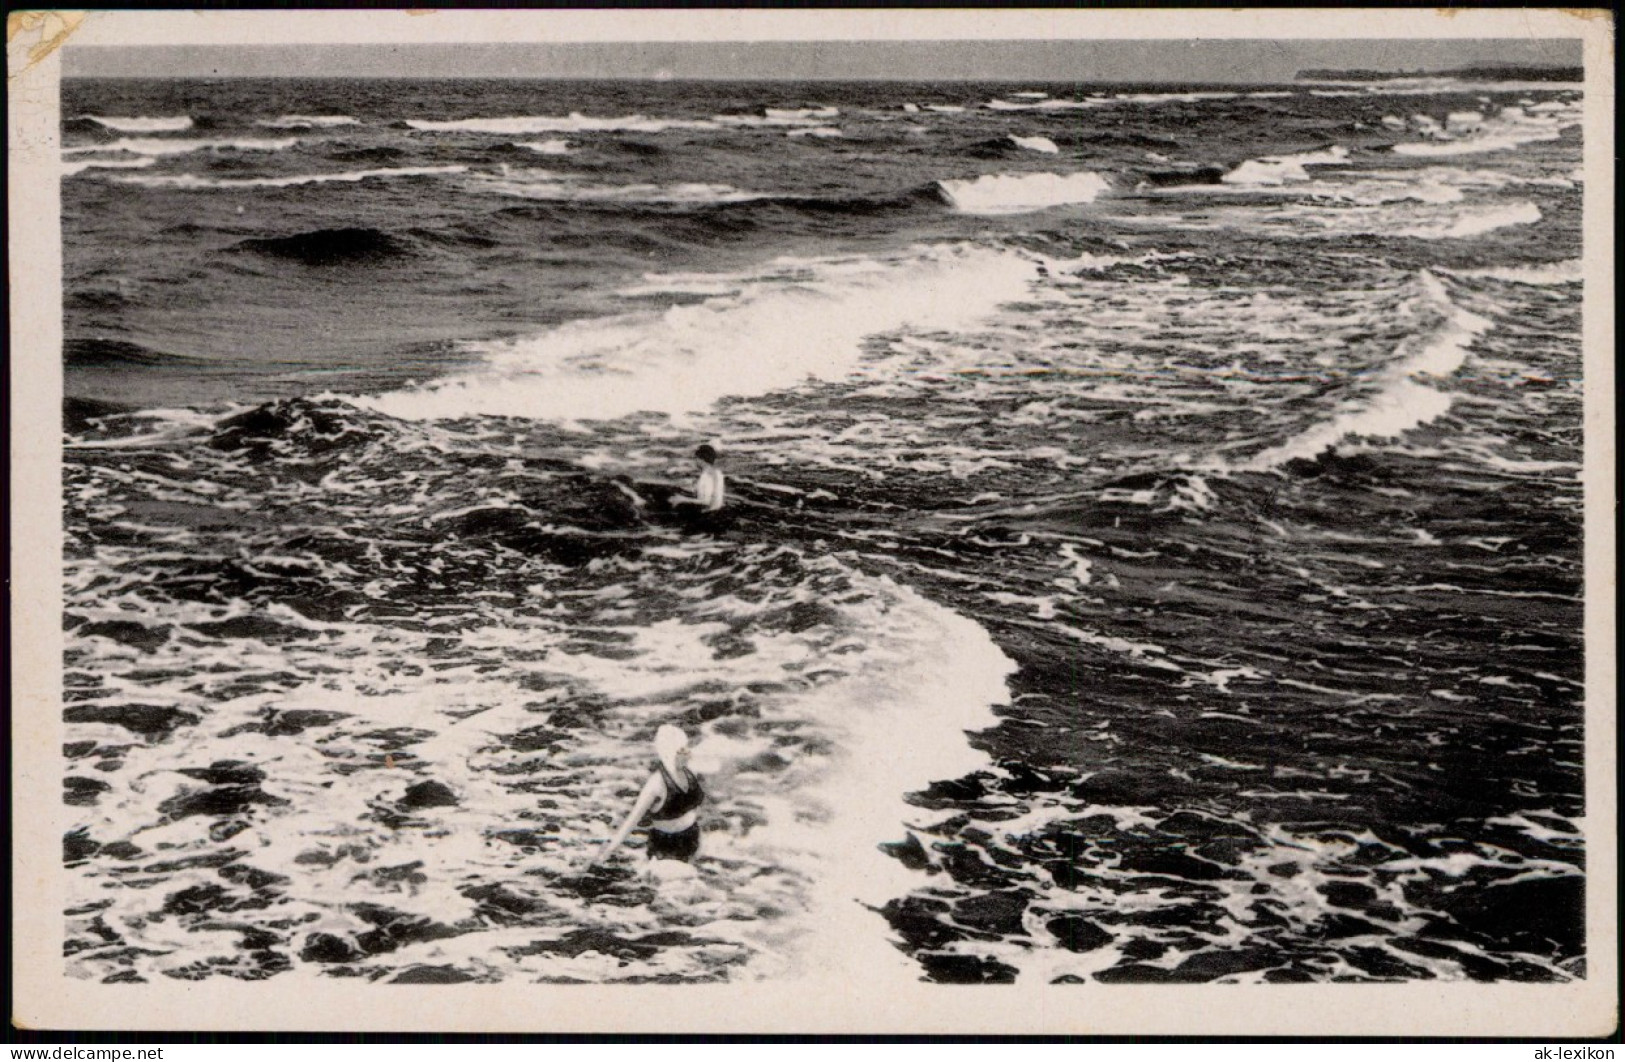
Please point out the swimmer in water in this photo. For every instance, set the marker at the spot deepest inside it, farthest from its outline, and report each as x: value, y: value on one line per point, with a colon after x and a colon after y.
x: 671, y: 798
x: 710, y: 490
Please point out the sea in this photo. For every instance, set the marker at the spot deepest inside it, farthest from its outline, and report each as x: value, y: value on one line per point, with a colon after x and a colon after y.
x: 1154, y: 550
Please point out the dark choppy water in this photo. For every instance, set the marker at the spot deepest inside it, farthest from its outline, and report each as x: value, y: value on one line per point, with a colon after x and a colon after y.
x: 1027, y: 401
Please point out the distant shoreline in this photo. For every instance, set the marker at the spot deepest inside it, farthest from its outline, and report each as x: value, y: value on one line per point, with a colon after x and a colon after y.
x: 1496, y: 72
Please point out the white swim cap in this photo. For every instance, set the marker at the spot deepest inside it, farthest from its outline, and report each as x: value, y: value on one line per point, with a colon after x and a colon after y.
x: 669, y: 741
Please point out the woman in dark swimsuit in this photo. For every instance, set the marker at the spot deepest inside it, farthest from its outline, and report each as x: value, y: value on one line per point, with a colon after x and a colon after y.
x: 671, y: 798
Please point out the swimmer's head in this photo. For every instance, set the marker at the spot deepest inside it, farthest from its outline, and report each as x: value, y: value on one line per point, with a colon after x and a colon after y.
x: 707, y: 453
x: 671, y: 745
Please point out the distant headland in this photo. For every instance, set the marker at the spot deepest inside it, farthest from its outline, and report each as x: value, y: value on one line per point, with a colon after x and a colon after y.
x: 1483, y: 72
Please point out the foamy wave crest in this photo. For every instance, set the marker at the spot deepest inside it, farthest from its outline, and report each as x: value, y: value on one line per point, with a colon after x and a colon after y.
x: 143, y: 125
x: 1402, y: 401
x: 194, y: 183
x: 551, y: 187
x: 1171, y: 97
x: 145, y: 146
x: 573, y: 123
x: 1021, y: 193
x: 800, y: 320
x: 546, y: 147
x: 819, y: 113
x: 71, y: 168
x: 1570, y: 272
x: 632, y: 123
x: 1379, y: 190
x: 1278, y: 169
x: 1036, y: 143
x: 1043, y: 105
x: 1470, y: 133
x: 1470, y: 223
x: 820, y: 131
x: 308, y: 121
x: 933, y: 665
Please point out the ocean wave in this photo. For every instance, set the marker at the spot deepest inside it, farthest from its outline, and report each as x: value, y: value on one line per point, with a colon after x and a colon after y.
x: 176, y: 124
x: 550, y: 187
x: 1021, y: 193
x: 308, y: 121
x: 819, y: 131
x: 1041, y: 144
x: 147, y: 146
x: 819, y: 113
x: 1169, y: 97
x: 1469, y: 223
x: 546, y: 147
x: 1401, y: 400
x: 803, y: 320
x: 81, y: 165
x: 1548, y: 275
x: 192, y: 182
x: 326, y: 247
x: 634, y: 123
x: 1045, y: 105
x: 1470, y: 133
x: 1279, y: 169
x: 574, y: 123
x: 113, y: 353
x: 1474, y: 146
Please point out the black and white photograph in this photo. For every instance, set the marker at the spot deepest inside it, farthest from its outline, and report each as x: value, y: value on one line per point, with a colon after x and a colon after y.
x: 569, y: 505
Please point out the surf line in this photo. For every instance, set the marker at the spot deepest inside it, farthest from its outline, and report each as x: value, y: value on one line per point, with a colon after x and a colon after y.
x: 1403, y: 401
x: 904, y: 713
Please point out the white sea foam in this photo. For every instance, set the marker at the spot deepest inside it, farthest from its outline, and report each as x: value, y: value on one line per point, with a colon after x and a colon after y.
x: 1170, y: 97
x: 1475, y: 222
x: 945, y: 108
x: 573, y: 123
x: 820, y: 131
x: 1474, y: 146
x: 1471, y: 133
x: 308, y: 121
x: 546, y: 147
x: 192, y: 182
x: 143, y: 125
x: 1044, y: 105
x: 804, y: 319
x: 547, y: 186
x: 81, y: 165
x: 1020, y: 193
x: 905, y: 716
x: 1278, y: 169
x: 148, y: 146
x: 819, y: 113
x: 524, y: 125
x: 1402, y: 401
x: 1569, y: 272
x: 1036, y: 143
